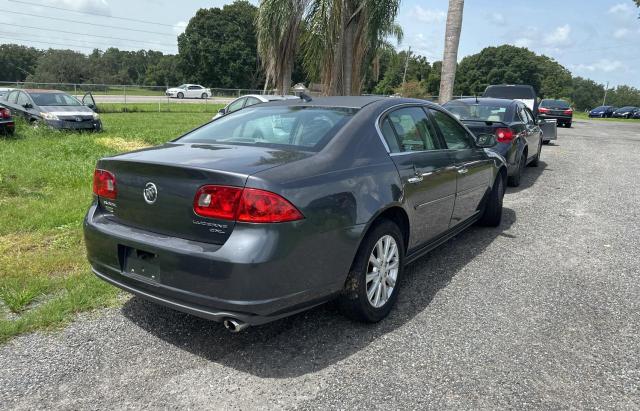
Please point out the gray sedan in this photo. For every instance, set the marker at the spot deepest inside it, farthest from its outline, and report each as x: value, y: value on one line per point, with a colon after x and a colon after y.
x: 53, y: 108
x: 280, y: 207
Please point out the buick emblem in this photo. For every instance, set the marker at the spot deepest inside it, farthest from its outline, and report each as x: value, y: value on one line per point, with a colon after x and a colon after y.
x: 78, y: 119
x: 150, y: 193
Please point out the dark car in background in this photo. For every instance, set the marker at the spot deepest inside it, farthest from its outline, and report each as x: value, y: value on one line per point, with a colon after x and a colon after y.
x: 7, y: 125
x: 53, y: 108
x: 636, y: 115
x: 332, y: 199
x: 519, y: 137
x: 559, y: 110
x: 602, y: 112
x: 250, y: 100
x: 625, y: 112
x: 521, y: 92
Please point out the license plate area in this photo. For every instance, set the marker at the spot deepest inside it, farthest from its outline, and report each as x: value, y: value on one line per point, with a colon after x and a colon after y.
x: 140, y: 264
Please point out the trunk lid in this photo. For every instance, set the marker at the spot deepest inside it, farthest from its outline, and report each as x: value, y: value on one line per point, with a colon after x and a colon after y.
x: 175, y: 172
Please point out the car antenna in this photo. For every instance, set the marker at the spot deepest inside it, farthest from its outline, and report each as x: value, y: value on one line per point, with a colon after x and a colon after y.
x: 307, y: 98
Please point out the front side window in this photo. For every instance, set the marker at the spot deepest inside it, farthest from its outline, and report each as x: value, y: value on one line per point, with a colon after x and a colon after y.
x: 22, y: 99
x: 454, y: 134
x: 194, y: 87
x: 236, y: 105
x: 289, y: 126
x: 408, y: 129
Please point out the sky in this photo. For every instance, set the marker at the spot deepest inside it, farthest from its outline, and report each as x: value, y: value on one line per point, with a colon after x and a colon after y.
x: 597, y: 39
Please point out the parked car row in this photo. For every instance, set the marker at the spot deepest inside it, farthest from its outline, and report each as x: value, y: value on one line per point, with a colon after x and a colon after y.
x: 612, y: 112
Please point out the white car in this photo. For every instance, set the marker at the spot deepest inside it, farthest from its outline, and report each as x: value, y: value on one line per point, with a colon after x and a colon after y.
x: 189, y: 91
x: 4, y: 91
x: 250, y: 100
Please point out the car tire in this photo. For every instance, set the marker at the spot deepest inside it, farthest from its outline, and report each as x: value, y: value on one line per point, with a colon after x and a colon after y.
x: 536, y: 159
x: 492, y: 213
x: 514, y: 180
x: 180, y: 95
x: 204, y: 96
x: 363, y: 300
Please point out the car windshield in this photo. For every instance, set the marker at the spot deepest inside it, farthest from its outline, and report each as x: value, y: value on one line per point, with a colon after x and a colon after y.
x: 54, y: 99
x: 554, y: 104
x: 182, y: 86
x: 510, y: 92
x: 293, y: 126
x: 482, y: 111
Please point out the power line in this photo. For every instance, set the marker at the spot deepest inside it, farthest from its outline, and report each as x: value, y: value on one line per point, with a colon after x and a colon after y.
x: 50, y: 43
x: 84, y: 22
x: 103, y: 45
x: 92, y: 14
x: 81, y: 34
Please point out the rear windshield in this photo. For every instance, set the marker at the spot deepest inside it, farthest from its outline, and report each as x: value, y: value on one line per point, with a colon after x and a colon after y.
x: 510, y: 92
x: 54, y: 99
x: 554, y: 104
x: 482, y: 111
x: 290, y: 126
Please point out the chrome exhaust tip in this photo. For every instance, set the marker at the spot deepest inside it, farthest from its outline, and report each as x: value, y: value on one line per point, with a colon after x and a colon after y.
x: 234, y: 326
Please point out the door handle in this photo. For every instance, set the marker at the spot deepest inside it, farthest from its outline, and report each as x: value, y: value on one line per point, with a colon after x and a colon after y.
x: 463, y: 170
x: 415, y: 180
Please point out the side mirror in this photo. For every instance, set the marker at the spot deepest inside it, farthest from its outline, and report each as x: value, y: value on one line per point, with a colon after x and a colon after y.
x: 91, y: 106
x: 486, y: 140
x: 221, y: 112
x: 27, y: 105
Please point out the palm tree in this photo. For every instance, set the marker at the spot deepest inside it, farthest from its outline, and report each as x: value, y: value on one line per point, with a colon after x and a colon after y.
x: 343, y: 36
x: 278, y: 28
x: 451, y: 42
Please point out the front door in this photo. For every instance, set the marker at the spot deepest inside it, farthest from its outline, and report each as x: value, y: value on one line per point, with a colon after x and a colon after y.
x: 426, y: 170
x: 474, y: 168
x: 89, y: 101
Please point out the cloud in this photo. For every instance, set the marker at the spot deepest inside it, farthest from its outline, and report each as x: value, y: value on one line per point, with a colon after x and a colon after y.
x: 428, y: 15
x: 558, y: 37
x: 497, y: 18
x: 621, y: 33
x: 620, y: 8
x: 179, y: 27
x: 89, y: 6
x: 602, y: 65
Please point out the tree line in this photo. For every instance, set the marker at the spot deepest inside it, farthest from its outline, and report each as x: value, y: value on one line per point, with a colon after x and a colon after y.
x: 342, y: 47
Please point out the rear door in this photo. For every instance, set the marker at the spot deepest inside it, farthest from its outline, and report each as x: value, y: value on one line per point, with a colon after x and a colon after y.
x: 473, y: 167
x: 428, y: 176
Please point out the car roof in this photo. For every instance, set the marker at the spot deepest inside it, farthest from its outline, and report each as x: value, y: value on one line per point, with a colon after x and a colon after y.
x: 338, y: 101
x: 488, y: 100
x: 40, y: 90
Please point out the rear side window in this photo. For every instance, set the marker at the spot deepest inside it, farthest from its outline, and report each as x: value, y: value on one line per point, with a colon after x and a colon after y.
x: 251, y: 101
x: 22, y: 99
x: 236, y: 105
x: 454, y: 134
x: 412, y: 130
x: 13, y: 97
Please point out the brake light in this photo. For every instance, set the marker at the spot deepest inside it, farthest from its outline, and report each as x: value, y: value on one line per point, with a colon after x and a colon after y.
x: 504, y: 135
x: 543, y: 110
x: 104, y: 184
x: 568, y: 112
x: 4, y: 113
x: 246, y: 205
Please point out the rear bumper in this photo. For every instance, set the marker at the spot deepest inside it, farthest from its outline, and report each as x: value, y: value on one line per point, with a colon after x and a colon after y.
x: 558, y: 118
x: 257, y: 276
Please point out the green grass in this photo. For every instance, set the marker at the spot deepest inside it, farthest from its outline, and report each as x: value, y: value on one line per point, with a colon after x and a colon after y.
x: 45, y: 189
x: 162, y: 107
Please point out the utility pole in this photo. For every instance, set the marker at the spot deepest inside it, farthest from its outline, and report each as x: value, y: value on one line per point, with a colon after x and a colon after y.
x: 606, y: 89
x: 406, y: 65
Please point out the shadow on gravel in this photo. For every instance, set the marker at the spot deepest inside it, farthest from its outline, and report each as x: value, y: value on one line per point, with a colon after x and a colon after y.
x: 313, y: 340
x: 530, y: 176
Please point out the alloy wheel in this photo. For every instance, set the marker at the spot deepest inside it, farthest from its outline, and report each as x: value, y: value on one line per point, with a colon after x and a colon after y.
x: 382, y: 271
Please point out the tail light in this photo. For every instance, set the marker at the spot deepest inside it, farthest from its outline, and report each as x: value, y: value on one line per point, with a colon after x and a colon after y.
x: 104, y: 184
x: 543, y: 110
x: 4, y: 113
x: 568, y: 112
x: 244, y: 204
x: 504, y: 135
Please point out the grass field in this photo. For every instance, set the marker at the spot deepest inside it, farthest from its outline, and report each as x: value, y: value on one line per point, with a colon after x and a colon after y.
x: 45, y: 189
x: 163, y: 107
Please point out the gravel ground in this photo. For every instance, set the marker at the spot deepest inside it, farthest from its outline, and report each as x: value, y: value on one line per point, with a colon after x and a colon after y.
x: 542, y: 312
